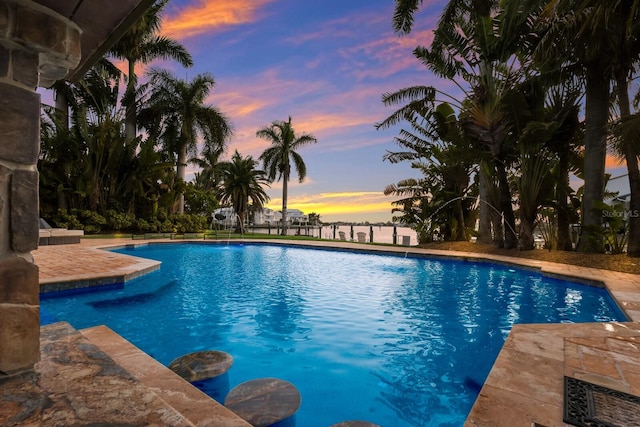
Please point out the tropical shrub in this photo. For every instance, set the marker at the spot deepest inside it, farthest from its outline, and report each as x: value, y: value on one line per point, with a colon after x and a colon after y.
x: 615, y: 230
x: 120, y: 221
x: 186, y: 223
x: 93, y: 222
x: 64, y: 219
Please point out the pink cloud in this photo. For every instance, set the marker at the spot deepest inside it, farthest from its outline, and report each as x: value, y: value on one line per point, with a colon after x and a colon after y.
x: 349, y: 27
x: 391, y: 55
x: 329, y: 114
x: 206, y: 16
x: 338, y: 116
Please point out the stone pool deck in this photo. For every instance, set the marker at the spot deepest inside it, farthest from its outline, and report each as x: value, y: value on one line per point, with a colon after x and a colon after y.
x: 524, y: 388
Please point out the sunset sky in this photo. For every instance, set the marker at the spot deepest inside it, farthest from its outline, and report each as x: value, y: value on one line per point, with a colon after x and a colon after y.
x: 324, y: 63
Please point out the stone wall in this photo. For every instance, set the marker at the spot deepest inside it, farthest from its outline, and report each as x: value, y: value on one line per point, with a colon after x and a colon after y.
x: 37, y: 47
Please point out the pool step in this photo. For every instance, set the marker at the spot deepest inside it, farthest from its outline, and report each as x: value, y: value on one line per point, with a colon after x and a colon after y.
x: 264, y: 402
x: 196, y: 406
x: 202, y: 365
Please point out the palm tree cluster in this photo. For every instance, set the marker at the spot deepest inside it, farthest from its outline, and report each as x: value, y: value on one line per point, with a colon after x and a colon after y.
x: 119, y: 160
x: 95, y: 163
x: 499, y: 148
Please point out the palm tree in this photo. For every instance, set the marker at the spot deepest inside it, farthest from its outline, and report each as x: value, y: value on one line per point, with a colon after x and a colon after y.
x: 101, y: 163
x: 414, y: 206
x: 579, y: 32
x: 436, y: 146
x: 625, y: 27
x: 278, y: 158
x: 242, y: 186
x: 60, y: 151
x: 563, y: 108
x: 142, y: 44
x: 175, y: 112
x: 208, y: 164
x: 476, y: 46
x: 314, y: 218
x: 487, y: 121
x: 598, y: 43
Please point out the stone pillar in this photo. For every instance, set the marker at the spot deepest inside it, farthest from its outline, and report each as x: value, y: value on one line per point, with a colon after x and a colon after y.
x: 37, y: 47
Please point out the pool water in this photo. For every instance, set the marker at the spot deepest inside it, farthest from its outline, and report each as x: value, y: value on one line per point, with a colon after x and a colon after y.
x: 398, y: 341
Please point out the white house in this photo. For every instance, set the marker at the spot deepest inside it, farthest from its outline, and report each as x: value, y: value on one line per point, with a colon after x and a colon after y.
x: 264, y: 216
x: 296, y: 215
x: 267, y: 216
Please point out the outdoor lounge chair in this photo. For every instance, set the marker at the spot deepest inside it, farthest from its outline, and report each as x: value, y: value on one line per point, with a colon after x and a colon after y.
x: 57, y: 236
x: 342, y: 235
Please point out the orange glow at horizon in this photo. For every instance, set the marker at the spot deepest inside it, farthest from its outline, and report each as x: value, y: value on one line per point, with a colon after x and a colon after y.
x: 613, y: 162
x: 336, y: 204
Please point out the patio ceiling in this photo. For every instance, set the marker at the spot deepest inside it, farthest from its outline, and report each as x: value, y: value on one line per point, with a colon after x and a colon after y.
x: 102, y: 24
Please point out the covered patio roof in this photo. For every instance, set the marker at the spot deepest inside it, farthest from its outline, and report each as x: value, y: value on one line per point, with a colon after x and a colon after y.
x: 102, y: 24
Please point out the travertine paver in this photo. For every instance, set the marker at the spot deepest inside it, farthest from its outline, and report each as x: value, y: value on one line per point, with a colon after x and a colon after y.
x: 525, y: 385
x: 612, y: 362
x: 75, y: 383
x: 82, y: 265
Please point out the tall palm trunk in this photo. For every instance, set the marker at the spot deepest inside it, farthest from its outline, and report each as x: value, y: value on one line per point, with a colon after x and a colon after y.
x: 181, y: 172
x: 596, y: 116
x: 461, y: 231
x: 130, y: 112
x: 527, y: 242
x: 239, y: 222
x: 484, y: 227
x: 62, y: 200
x: 510, y: 238
x: 62, y: 116
x: 498, y: 229
x: 564, y: 225
x: 62, y: 106
x: 631, y: 157
x: 284, y: 202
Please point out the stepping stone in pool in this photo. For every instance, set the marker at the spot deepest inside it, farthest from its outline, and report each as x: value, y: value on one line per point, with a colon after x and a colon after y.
x: 202, y: 365
x: 263, y: 402
x: 355, y: 424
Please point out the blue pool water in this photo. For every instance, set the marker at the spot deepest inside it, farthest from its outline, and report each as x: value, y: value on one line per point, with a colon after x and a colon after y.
x: 392, y: 340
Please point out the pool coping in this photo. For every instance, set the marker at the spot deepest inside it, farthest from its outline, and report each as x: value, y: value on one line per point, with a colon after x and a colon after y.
x: 119, y: 268
x: 501, y: 400
x: 624, y: 288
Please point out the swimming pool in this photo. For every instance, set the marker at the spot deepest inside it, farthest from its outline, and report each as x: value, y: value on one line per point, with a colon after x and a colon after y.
x: 393, y: 340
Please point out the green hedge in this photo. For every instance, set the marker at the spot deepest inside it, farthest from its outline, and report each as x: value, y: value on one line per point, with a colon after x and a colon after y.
x: 118, y: 222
